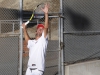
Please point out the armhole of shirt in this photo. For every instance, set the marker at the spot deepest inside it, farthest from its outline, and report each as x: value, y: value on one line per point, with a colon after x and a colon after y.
x: 29, y: 43
x: 43, y: 35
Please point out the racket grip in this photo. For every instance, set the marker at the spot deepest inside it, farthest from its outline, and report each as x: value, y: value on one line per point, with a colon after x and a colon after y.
x: 26, y: 22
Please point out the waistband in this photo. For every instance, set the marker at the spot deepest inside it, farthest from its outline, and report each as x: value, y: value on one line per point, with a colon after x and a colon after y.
x: 32, y: 66
x: 34, y: 69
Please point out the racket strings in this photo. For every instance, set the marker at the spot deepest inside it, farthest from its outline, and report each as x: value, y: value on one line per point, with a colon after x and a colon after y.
x: 37, y: 10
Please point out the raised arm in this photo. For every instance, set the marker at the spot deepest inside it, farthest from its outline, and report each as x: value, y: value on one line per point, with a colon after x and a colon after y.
x: 25, y: 33
x: 45, y: 10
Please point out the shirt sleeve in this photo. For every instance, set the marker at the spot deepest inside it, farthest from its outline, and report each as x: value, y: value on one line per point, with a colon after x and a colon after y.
x: 43, y: 36
x: 29, y: 43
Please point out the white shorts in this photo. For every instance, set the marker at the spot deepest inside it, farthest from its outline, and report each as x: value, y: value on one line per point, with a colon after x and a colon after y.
x: 33, y: 72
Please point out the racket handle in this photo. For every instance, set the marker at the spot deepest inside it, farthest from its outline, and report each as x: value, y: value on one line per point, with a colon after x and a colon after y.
x: 26, y: 22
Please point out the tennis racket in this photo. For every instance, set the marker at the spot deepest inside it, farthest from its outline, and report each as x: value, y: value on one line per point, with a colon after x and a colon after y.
x: 39, y: 13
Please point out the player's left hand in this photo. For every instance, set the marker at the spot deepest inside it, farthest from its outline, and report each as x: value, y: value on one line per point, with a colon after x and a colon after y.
x: 45, y: 9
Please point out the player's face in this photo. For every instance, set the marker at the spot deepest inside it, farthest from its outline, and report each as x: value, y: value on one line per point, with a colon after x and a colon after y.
x: 39, y: 31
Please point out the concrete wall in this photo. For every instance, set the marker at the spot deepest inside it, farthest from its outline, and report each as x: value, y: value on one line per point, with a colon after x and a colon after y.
x: 30, y: 4
x: 85, y: 68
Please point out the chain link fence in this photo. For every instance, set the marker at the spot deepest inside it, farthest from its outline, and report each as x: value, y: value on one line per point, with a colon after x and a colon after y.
x: 9, y: 37
x: 10, y: 40
x: 81, y: 31
x: 9, y: 52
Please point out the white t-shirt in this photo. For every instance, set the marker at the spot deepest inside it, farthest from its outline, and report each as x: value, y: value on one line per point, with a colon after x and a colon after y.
x: 37, y: 52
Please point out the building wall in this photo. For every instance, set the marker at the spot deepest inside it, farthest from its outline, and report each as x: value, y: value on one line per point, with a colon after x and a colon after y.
x: 30, y: 4
x: 84, y: 68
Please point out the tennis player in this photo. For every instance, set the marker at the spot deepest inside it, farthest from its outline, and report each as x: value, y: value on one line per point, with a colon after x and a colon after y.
x: 37, y: 47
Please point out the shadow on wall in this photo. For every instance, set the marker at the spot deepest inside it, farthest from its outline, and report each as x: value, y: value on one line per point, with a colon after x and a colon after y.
x: 78, y: 21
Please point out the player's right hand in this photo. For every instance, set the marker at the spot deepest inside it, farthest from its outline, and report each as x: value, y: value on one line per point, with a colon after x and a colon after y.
x: 23, y: 26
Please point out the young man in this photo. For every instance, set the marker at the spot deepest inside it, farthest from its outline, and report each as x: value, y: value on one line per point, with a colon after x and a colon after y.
x: 37, y: 47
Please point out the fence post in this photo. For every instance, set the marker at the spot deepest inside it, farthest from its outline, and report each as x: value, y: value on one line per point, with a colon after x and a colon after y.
x: 21, y: 39
x: 62, y: 59
x: 13, y: 27
x: 0, y: 27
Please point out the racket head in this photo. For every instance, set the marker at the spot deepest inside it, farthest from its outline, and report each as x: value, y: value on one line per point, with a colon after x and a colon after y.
x: 38, y: 13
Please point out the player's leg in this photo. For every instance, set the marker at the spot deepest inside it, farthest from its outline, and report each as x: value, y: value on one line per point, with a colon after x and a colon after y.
x: 37, y: 72
x: 28, y: 72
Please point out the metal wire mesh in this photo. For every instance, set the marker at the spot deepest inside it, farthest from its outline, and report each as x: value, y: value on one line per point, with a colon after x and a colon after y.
x: 54, y: 4
x: 9, y: 26
x: 81, y: 48
x: 9, y: 10
x: 81, y: 15
x: 9, y: 55
x: 52, y: 63
x: 9, y: 37
x: 81, y: 30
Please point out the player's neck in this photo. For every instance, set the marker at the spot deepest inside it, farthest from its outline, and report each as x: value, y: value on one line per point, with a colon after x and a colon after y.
x: 37, y: 37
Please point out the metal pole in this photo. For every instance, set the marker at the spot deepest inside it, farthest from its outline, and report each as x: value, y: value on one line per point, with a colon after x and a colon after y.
x: 62, y: 59
x: 0, y: 27
x: 13, y: 27
x: 59, y: 64
x: 21, y: 38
